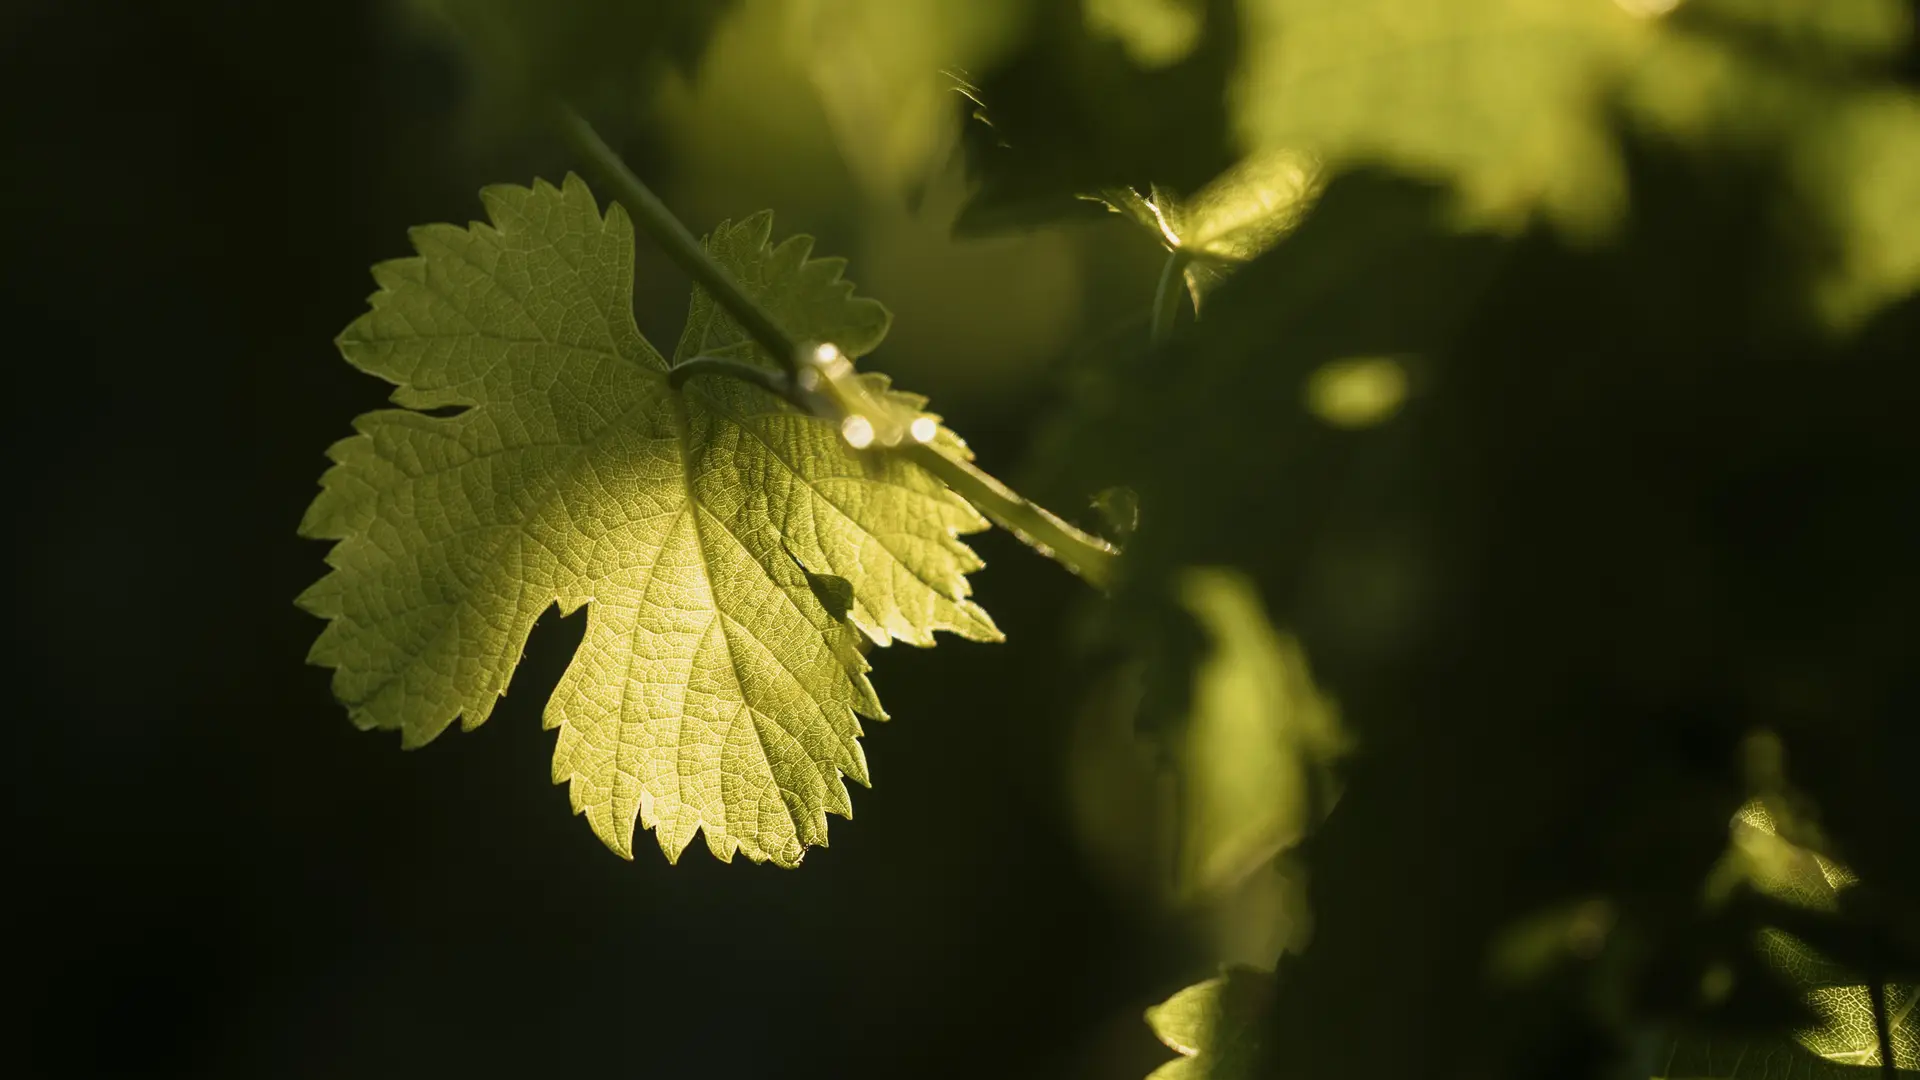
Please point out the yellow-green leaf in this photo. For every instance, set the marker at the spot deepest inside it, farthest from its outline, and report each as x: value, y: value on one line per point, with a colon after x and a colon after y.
x: 1214, y: 1026
x: 708, y: 530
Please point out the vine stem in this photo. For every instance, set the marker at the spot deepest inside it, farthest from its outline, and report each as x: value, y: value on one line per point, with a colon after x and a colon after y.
x: 1086, y: 555
x: 666, y: 230
x: 1039, y: 528
x: 766, y: 379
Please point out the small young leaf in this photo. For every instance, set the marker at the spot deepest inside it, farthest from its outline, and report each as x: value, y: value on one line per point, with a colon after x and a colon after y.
x: 1233, y: 219
x: 715, y: 689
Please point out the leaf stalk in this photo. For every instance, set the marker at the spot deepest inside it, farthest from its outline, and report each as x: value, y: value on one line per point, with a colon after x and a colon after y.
x: 772, y: 382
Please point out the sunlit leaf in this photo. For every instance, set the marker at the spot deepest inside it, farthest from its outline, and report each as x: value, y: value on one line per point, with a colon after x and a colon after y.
x: 716, y: 536
x: 1790, y: 872
x: 1518, y: 583
x: 1155, y: 32
x: 1259, y: 743
x: 1502, y: 96
x: 1214, y: 1026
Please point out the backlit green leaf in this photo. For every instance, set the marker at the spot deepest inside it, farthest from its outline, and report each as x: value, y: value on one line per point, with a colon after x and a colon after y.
x: 730, y: 550
x: 1503, y: 96
x: 1214, y: 1025
x: 1792, y: 873
x: 1259, y: 743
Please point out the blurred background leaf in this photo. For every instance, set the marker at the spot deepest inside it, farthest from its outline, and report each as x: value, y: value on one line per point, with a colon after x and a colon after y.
x: 1214, y: 1026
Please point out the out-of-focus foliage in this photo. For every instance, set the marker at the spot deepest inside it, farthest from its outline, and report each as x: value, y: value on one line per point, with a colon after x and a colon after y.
x: 1155, y: 33
x: 1214, y: 1025
x: 1259, y: 742
x: 1562, y: 506
x: 1515, y: 101
x: 1805, y: 85
x: 1507, y: 97
x: 1201, y: 819
x: 730, y: 549
x: 1357, y: 392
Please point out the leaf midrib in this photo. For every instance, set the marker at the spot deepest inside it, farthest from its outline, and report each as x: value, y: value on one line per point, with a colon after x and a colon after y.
x: 683, y: 442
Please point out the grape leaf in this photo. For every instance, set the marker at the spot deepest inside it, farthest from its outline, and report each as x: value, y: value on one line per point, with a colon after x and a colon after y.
x: 1214, y: 1025
x: 1503, y: 96
x: 707, y: 529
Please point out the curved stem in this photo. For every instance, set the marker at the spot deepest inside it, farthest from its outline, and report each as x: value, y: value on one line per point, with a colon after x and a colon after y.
x: 1166, y: 295
x: 1039, y: 528
x: 771, y: 381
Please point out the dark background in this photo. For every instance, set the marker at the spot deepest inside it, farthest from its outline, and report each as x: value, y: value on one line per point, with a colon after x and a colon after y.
x: 214, y: 873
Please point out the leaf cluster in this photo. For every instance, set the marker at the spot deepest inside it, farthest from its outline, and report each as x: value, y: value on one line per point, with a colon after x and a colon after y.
x: 1566, y: 519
